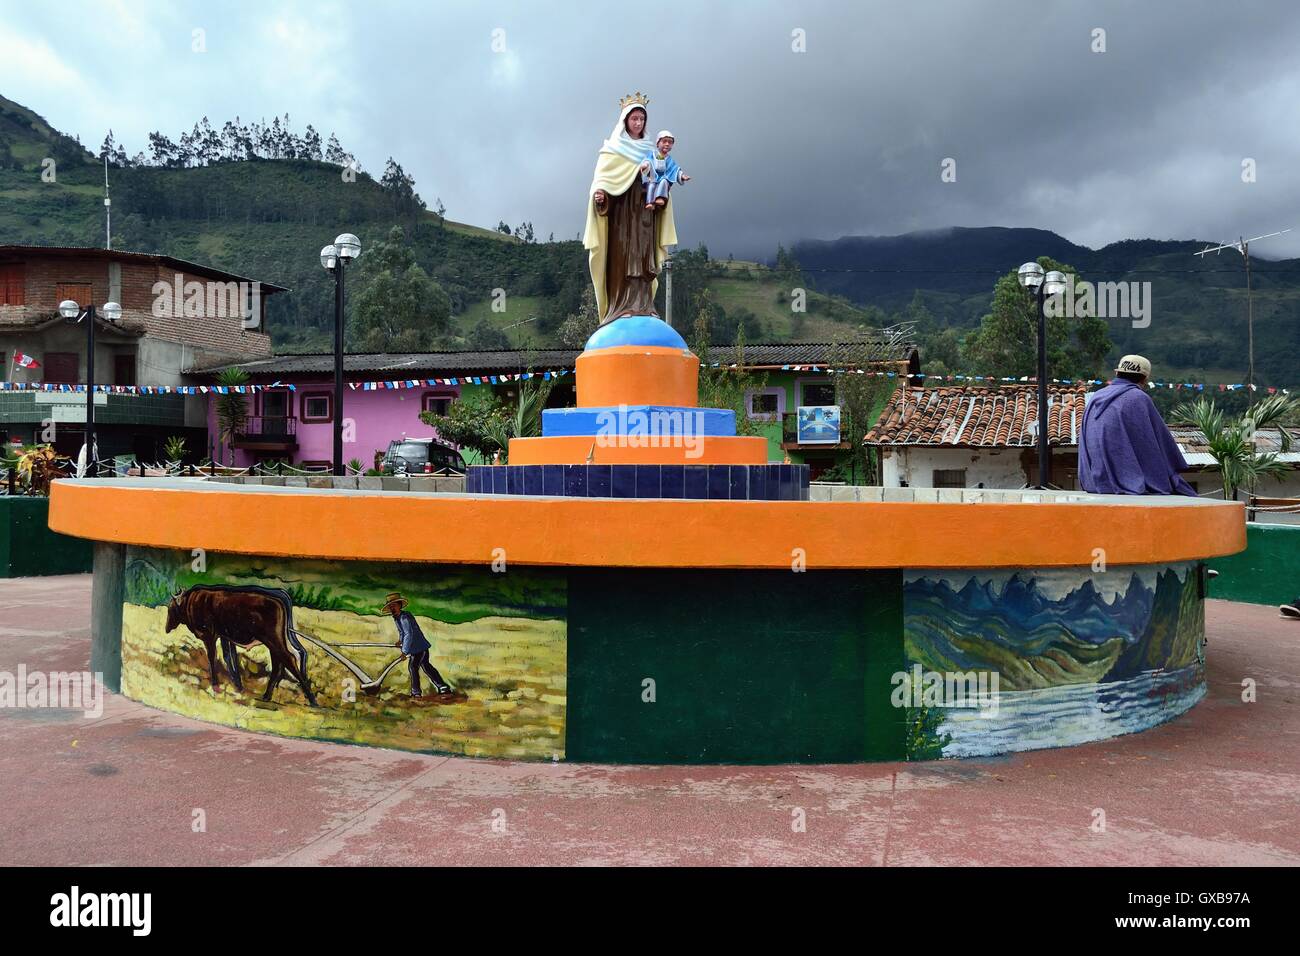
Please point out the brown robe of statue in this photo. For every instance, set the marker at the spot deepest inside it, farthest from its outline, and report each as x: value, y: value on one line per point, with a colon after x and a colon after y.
x: 630, y: 263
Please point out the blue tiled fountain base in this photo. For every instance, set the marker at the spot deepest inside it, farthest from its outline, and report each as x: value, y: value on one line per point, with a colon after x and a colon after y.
x: 725, y: 482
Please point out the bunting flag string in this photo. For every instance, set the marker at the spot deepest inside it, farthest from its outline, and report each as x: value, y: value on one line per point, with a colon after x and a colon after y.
x: 73, y: 388
x: 503, y: 378
x: 1023, y: 379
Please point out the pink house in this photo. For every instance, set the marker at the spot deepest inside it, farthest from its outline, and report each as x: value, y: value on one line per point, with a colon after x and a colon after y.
x: 296, y: 424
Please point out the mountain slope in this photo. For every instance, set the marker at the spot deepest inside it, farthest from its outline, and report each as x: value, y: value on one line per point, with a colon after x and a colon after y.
x: 269, y: 219
x: 1198, y: 315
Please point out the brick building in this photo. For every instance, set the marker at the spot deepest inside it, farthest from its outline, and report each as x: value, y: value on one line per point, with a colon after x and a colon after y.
x: 175, y: 315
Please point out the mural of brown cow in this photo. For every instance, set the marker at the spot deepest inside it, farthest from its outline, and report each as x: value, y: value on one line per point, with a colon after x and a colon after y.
x: 243, y: 615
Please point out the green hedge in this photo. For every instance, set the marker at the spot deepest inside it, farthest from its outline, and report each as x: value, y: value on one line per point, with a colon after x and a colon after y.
x: 27, y: 545
x: 1267, y: 572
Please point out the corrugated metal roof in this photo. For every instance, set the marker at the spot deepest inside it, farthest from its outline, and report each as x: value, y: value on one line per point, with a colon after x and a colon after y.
x: 978, y: 417
x: 1192, y: 441
x: 517, y: 360
x: 835, y: 354
x: 404, y: 364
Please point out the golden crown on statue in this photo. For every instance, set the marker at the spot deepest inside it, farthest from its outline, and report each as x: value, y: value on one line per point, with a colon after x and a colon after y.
x: 635, y: 99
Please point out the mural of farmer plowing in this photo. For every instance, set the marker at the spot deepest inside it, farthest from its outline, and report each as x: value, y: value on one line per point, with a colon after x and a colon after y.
x: 416, y: 657
x: 239, y: 617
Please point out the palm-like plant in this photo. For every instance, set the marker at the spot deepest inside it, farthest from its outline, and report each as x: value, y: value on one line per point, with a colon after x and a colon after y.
x: 1231, y: 442
x: 232, y: 409
x: 525, y: 419
x: 174, y: 448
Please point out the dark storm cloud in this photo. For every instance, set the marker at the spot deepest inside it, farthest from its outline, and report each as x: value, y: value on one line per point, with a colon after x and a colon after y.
x: 1145, y: 139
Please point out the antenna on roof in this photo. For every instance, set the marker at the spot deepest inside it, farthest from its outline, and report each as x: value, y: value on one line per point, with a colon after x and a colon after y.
x: 1243, y: 246
x: 108, y: 208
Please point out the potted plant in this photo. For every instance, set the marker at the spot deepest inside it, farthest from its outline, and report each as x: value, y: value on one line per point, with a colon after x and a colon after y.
x: 39, y: 466
x: 174, y: 451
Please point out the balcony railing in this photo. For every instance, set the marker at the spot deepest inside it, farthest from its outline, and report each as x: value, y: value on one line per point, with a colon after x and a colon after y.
x: 267, y: 429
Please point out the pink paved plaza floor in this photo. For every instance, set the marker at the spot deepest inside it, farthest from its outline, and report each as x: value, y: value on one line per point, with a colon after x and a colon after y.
x: 1220, y: 785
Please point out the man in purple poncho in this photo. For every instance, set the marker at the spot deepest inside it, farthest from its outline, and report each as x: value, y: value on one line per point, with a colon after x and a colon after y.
x: 1125, y: 447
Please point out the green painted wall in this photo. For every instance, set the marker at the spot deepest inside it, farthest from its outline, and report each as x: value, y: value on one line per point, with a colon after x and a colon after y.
x: 471, y: 392
x: 749, y: 666
x: 22, y: 407
x: 1267, y: 572
x: 28, y: 546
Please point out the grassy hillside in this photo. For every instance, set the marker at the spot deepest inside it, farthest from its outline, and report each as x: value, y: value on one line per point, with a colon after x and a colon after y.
x: 269, y: 219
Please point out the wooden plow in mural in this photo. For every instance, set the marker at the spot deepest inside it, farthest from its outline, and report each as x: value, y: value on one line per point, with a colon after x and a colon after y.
x: 369, y: 685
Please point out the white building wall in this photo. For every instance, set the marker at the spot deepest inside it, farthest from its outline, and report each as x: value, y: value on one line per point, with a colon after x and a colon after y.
x: 998, y: 468
x: 162, y: 362
x: 1208, y: 484
x: 1001, y: 469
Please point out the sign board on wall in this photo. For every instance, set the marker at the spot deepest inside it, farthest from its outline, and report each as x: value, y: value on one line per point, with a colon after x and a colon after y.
x: 819, y: 424
x: 68, y: 398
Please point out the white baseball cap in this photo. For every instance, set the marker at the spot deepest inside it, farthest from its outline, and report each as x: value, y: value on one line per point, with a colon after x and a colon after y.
x: 662, y: 133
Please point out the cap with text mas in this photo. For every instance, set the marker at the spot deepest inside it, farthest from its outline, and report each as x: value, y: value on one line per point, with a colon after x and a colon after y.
x: 1135, y: 364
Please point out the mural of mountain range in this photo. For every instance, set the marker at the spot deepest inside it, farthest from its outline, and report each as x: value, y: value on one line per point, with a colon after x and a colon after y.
x: 1008, y: 624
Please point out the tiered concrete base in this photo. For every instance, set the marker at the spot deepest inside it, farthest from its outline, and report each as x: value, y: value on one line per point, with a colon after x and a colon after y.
x: 638, y: 432
x: 639, y: 450
x: 911, y: 631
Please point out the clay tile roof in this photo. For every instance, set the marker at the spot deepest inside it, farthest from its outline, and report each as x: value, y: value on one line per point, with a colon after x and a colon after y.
x: 975, y: 417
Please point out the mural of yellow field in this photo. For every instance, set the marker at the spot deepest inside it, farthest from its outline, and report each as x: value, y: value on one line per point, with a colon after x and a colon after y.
x: 502, y: 650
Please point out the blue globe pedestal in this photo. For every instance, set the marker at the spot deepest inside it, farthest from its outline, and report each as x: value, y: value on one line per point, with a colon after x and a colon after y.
x: 636, y: 330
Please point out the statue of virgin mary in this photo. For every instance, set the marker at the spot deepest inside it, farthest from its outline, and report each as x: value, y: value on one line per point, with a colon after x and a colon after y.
x: 626, y: 242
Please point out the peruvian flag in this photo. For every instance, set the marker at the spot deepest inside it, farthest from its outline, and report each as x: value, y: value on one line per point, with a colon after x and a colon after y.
x: 25, y: 360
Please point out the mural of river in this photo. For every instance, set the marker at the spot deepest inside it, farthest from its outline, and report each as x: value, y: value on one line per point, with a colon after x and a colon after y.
x: 1078, y: 655
x: 1071, y: 713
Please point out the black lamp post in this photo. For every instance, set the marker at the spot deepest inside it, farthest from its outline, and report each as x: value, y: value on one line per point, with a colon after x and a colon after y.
x: 335, y: 259
x: 1041, y: 286
x: 111, y: 312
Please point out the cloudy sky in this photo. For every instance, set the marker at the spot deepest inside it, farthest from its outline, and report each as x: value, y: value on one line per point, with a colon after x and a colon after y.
x: 499, y: 108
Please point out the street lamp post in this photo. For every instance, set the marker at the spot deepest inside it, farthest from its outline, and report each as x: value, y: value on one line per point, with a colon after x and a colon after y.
x: 335, y: 258
x: 1041, y: 286
x: 668, y: 291
x: 111, y: 312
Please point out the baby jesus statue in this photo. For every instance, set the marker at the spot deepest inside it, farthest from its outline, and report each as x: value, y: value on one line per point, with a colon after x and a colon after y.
x: 660, y: 172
